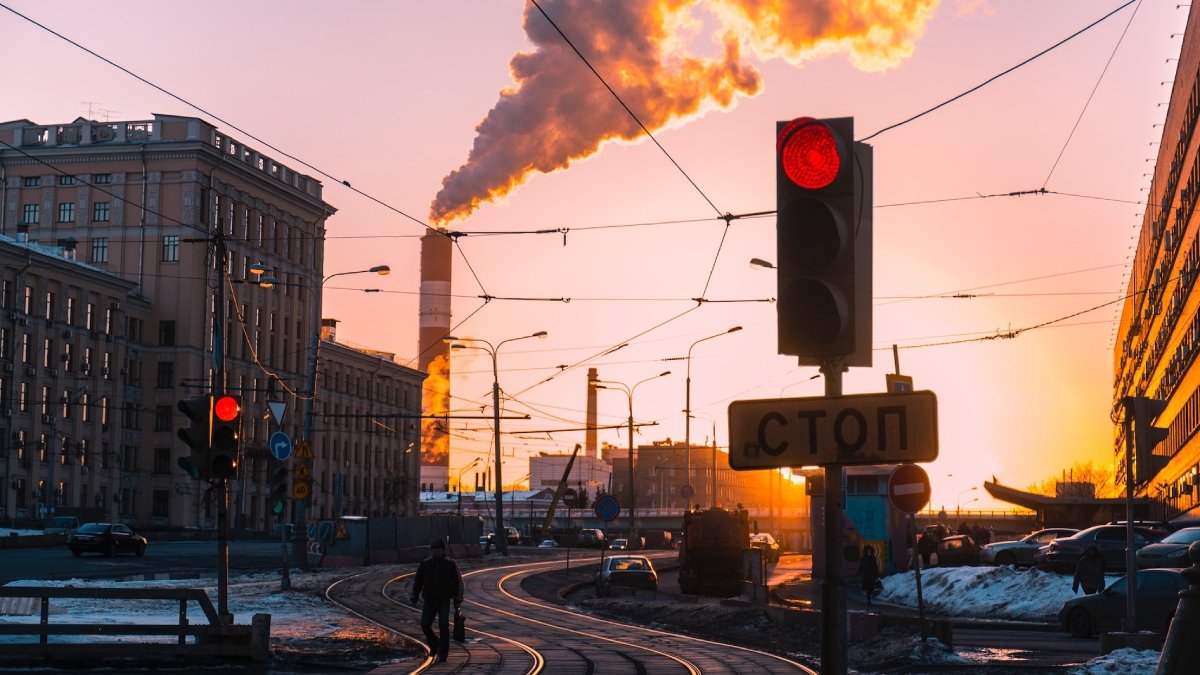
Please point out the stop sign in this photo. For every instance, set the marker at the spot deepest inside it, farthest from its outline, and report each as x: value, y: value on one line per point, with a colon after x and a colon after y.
x: 569, y: 496
x: 908, y: 488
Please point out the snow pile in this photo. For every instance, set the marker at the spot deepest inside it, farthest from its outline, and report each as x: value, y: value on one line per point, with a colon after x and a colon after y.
x: 983, y: 592
x: 1121, y: 661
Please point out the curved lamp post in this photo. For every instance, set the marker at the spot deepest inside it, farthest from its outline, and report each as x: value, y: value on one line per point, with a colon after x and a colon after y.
x: 958, y: 502
x: 632, y: 491
x: 687, y: 409
x: 501, y: 534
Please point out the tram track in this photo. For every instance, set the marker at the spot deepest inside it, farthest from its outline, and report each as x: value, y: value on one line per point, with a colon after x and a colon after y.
x: 511, y: 632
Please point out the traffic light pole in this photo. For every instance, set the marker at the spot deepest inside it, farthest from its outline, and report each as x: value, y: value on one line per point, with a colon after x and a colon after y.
x: 833, y: 588
x: 1130, y: 568
x: 221, y: 484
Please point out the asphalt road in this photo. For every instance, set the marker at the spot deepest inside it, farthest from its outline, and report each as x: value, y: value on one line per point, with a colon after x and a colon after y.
x: 177, y: 558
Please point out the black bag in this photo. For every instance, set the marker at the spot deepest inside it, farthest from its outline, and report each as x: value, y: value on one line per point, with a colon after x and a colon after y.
x: 460, y: 626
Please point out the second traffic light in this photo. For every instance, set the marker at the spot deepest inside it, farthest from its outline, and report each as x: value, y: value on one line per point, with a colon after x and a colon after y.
x: 823, y: 241
x: 226, y: 436
x: 1146, y: 436
x: 279, y: 490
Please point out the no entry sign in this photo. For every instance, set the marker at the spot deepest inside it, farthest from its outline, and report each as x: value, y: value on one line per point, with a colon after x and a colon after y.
x: 908, y: 488
x: 569, y: 497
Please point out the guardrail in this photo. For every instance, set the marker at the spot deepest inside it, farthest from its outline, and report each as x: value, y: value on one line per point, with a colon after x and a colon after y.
x: 216, y: 638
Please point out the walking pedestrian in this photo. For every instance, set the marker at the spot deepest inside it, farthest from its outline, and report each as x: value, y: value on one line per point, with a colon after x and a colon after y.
x: 439, y: 581
x: 868, y: 571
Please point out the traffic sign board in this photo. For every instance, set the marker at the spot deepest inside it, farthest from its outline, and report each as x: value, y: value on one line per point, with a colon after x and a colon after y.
x: 607, y: 508
x: 569, y: 497
x: 687, y: 491
x: 303, y: 449
x: 908, y: 488
x: 300, y: 489
x: 858, y: 429
x: 281, y: 446
x: 300, y: 471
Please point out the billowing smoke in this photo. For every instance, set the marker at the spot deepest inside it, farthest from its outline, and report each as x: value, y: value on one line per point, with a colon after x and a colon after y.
x: 557, y: 111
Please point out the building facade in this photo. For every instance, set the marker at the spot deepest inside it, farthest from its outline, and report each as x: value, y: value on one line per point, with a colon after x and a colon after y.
x: 146, y: 202
x: 1159, y: 333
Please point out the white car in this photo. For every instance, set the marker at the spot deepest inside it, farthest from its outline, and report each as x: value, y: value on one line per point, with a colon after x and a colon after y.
x: 619, y: 545
x: 1020, y: 552
x: 548, y: 543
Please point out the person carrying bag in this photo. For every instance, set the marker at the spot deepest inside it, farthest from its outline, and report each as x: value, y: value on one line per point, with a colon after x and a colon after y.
x: 439, y: 581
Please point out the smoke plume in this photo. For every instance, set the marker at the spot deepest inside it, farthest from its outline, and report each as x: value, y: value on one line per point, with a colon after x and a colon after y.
x: 557, y: 111
x: 435, y: 443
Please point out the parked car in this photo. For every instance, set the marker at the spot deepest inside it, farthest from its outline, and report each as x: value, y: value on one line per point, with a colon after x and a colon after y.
x: 514, y: 537
x: 1021, y: 551
x: 106, y: 538
x: 548, y: 543
x: 591, y: 538
x: 62, y: 525
x: 1062, y: 554
x: 1172, y: 551
x: 628, y: 571
x: 959, y: 549
x: 619, y: 544
x: 768, y: 545
x: 1157, y: 596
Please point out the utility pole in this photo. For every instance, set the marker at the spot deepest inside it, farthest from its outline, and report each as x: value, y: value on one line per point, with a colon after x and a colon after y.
x: 220, y: 485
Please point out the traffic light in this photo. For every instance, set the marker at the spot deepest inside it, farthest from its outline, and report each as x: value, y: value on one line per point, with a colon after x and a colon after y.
x: 226, y: 436
x: 823, y: 241
x: 1146, y: 436
x: 197, y: 435
x: 279, y: 490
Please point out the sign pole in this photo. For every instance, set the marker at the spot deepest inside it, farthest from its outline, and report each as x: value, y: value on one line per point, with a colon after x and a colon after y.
x: 912, y: 526
x: 833, y: 588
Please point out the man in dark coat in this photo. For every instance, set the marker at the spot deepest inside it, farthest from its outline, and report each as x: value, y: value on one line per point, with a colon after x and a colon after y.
x: 440, y: 581
x: 1089, y: 572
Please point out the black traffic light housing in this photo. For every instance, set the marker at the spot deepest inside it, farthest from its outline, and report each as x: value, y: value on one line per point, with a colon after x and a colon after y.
x: 197, y: 435
x: 1146, y: 436
x: 279, y: 490
x: 823, y: 241
x: 226, y: 436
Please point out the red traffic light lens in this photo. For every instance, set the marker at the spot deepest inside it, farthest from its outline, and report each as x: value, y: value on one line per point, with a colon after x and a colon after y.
x: 809, y: 154
x: 227, y: 408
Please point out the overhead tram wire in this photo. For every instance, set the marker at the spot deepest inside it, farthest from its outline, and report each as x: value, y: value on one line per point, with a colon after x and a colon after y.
x: 993, y: 78
x: 1092, y: 95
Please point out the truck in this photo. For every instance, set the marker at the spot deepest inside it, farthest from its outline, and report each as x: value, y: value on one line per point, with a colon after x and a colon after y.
x: 710, y: 555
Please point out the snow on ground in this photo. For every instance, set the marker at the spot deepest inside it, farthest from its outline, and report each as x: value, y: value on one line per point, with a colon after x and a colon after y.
x: 1003, y: 592
x: 1121, y: 661
x: 4, y: 532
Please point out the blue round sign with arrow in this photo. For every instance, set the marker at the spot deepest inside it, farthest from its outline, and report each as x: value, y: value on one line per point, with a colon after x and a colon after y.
x: 281, y: 446
x: 607, y: 508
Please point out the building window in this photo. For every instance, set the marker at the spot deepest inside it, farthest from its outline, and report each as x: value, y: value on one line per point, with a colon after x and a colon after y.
x: 166, y: 375
x: 85, y: 408
x: 26, y: 349
x: 70, y: 311
x: 162, y: 422
x: 31, y: 214
x: 66, y: 180
x: 47, y: 351
x: 31, y: 181
x: 99, y: 252
x: 166, y: 333
x: 23, y: 398
x: 49, y: 305
x: 27, y: 304
x: 170, y: 249
x: 66, y: 212
x: 100, y: 212
x: 102, y: 178
x: 160, y: 502
x: 68, y: 363
x: 83, y: 453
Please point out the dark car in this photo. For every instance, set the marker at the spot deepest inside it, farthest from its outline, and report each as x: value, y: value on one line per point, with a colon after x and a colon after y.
x: 106, y: 538
x: 514, y: 537
x: 1063, y: 553
x: 1157, y: 596
x: 1021, y: 551
x: 1172, y: 551
x: 626, y: 571
x: 591, y: 538
x: 960, y: 549
x: 768, y: 545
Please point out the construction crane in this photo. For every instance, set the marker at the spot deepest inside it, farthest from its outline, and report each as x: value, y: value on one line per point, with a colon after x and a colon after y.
x: 558, y: 493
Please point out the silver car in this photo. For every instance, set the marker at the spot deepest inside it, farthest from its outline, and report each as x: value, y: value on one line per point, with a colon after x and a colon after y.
x: 1020, y: 552
x: 629, y: 571
x: 1172, y: 551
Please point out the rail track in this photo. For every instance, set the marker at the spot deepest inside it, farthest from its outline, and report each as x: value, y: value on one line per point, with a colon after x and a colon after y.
x: 511, y: 632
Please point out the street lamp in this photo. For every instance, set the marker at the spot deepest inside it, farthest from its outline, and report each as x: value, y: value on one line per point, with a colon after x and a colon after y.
x: 958, y: 502
x: 687, y: 409
x: 633, y: 536
x: 458, y: 481
x: 492, y: 350
x: 301, y: 545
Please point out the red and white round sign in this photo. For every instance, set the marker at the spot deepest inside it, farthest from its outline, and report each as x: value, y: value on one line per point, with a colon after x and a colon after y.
x: 908, y: 488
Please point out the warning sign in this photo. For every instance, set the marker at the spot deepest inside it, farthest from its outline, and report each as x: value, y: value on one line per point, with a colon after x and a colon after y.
x: 304, y: 450
x: 341, y: 532
x: 300, y: 490
x: 301, y: 471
